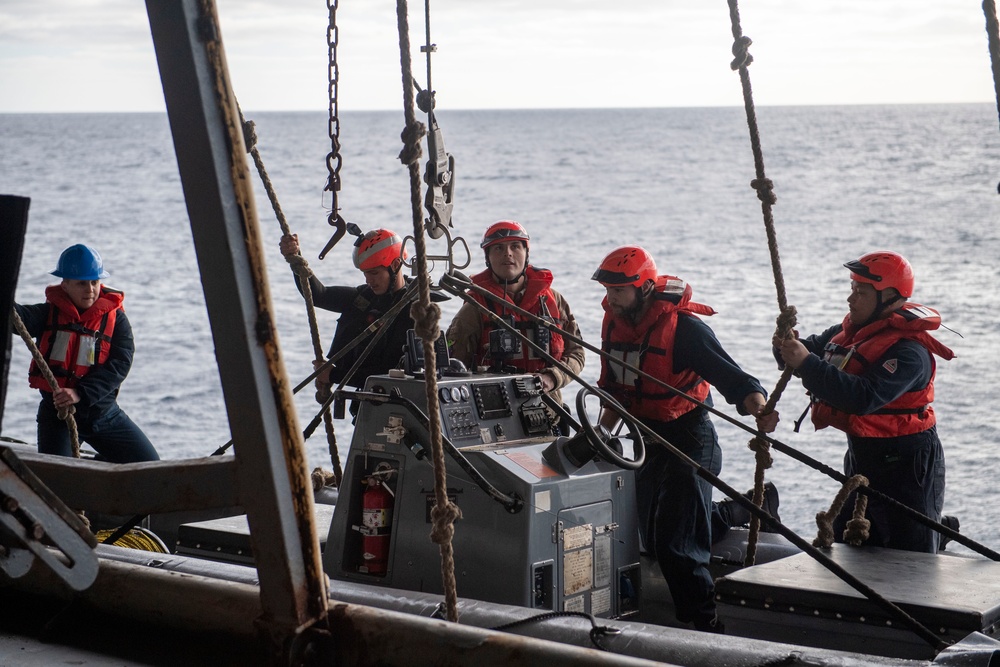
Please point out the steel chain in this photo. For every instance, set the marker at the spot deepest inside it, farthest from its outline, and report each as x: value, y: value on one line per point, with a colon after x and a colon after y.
x: 333, y: 158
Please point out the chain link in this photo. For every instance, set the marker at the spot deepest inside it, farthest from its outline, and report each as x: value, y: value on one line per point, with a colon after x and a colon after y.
x: 333, y: 158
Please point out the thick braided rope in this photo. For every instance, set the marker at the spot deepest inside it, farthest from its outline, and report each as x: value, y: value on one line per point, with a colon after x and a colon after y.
x: 786, y: 319
x: 993, y: 36
x: 857, y: 528
x: 300, y: 267
x: 65, y: 414
x: 425, y: 317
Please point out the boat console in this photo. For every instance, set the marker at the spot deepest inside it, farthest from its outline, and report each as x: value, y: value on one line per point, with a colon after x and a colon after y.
x: 545, y: 522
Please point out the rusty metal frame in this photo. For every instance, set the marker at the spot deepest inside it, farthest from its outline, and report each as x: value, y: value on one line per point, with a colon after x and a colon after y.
x: 272, y: 471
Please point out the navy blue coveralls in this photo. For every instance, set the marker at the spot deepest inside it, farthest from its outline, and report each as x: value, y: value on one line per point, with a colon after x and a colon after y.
x: 100, y: 421
x: 674, y: 504
x: 909, y: 468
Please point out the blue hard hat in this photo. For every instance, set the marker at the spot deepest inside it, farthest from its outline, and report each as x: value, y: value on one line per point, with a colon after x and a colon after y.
x: 80, y: 262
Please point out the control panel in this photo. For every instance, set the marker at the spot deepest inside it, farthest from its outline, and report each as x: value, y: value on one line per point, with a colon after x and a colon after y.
x: 484, y: 409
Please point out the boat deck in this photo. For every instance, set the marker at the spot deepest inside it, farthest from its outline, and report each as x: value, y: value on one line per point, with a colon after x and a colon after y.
x: 798, y: 600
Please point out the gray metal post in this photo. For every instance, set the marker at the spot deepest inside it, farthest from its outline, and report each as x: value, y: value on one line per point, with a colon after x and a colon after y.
x: 13, y: 224
x: 272, y: 467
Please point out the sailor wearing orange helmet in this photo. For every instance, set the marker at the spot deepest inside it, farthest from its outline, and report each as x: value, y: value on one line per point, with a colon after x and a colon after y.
x: 650, y: 322
x: 379, y: 255
x: 872, y: 376
x: 511, y: 277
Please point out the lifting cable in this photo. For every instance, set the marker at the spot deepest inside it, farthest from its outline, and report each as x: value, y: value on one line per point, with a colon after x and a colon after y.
x: 300, y: 268
x: 452, y: 284
x: 425, y: 317
x: 457, y: 284
x: 378, y: 330
x: 786, y: 316
x: 319, y: 477
x: 993, y: 37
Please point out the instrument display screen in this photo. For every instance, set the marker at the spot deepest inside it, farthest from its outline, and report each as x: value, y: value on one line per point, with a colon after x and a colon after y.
x: 491, y: 400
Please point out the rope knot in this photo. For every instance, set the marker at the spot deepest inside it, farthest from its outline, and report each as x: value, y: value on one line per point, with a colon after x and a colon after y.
x: 411, y: 136
x: 857, y: 531
x: 853, y: 534
x: 785, y: 322
x: 299, y: 265
x: 741, y: 51
x: 249, y: 135
x: 66, y: 413
x: 762, y: 452
x: 321, y: 478
x: 425, y: 319
x: 765, y: 190
x: 443, y: 520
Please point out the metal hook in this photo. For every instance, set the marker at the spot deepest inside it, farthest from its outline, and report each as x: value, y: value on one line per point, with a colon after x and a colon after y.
x: 341, y: 228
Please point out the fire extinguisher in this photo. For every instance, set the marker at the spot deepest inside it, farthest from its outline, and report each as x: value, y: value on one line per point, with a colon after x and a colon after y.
x: 376, y: 517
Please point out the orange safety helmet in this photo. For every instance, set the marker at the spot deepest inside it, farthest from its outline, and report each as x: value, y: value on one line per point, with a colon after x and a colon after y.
x: 628, y: 265
x: 883, y: 269
x: 505, y: 230
x: 378, y: 248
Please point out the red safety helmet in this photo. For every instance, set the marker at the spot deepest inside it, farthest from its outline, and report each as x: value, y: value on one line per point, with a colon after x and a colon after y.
x: 628, y: 265
x: 883, y: 269
x: 505, y: 230
x: 378, y: 248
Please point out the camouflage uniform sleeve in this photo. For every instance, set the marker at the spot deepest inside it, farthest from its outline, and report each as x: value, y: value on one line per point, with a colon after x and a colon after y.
x: 573, y: 353
x: 464, y: 334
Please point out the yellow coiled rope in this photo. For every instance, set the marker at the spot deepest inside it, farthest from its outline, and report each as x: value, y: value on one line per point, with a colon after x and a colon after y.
x: 137, y: 538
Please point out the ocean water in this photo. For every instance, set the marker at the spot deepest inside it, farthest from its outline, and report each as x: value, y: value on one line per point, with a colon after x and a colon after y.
x: 921, y: 180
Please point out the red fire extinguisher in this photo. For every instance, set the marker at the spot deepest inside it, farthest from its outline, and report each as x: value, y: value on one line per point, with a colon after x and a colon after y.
x: 376, y: 517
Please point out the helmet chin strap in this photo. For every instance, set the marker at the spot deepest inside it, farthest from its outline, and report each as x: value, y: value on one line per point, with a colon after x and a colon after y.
x: 392, y: 275
x: 880, y: 307
x: 641, y: 296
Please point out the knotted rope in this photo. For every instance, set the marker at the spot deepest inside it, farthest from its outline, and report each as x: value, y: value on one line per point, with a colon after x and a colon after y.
x: 65, y: 414
x: 787, y: 314
x: 426, y: 316
x: 300, y: 267
x: 993, y: 36
x: 857, y: 529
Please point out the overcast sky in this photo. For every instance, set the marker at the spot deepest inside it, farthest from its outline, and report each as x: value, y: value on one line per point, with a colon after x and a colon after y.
x: 97, y: 55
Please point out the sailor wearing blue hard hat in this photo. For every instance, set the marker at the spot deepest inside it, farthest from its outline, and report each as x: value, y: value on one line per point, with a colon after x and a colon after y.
x: 86, y: 340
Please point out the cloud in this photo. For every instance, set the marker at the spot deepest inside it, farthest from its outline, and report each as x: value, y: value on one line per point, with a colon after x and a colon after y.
x: 97, y: 55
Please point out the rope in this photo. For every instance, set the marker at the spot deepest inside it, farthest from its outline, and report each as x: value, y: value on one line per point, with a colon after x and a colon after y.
x: 993, y: 35
x: 451, y: 284
x: 321, y: 478
x: 786, y: 318
x: 300, y: 267
x: 426, y: 316
x: 857, y: 528
x: 136, y: 538
x: 608, y: 401
x: 65, y: 414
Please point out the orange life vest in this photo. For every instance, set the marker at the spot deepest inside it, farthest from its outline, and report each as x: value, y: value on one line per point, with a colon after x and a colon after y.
x: 73, y: 342
x: 649, y: 346
x: 854, y: 351
x: 539, y: 300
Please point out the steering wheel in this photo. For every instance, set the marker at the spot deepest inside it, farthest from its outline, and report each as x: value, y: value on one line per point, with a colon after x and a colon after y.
x: 600, y: 444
